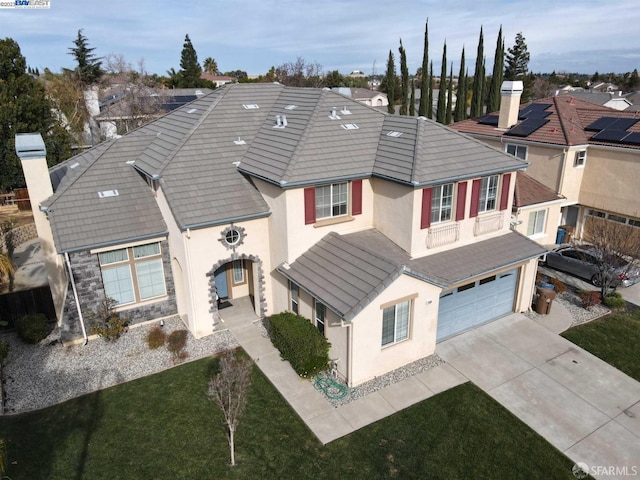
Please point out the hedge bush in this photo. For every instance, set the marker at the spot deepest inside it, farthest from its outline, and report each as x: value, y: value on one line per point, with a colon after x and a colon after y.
x: 300, y: 343
x: 156, y: 337
x: 32, y: 328
x: 176, y: 343
x: 615, y: 301
x: 589, y: 298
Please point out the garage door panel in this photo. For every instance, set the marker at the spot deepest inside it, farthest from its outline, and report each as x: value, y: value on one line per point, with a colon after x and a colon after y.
x: 488, y: 300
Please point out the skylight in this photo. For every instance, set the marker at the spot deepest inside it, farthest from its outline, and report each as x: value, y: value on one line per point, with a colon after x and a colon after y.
x: 394, y: 134
x: 350, y: 126
x: 290, y: 107
x: 192, y: 110
x: 108, y: 193
x: 250, y: 106
x: 74, y: 165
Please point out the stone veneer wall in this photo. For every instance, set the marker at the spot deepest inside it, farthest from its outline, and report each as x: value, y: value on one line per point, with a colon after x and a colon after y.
x: 88, y: 278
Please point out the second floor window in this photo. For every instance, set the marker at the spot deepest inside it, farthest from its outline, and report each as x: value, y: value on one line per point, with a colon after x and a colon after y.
x: 519, y: 151
x: 331, y: 200
x: 580, y: 159
x: 488, y: 193
x: 441, y: 203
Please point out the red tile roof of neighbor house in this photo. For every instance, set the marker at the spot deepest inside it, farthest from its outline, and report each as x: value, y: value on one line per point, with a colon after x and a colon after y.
x: 529, y: 191
x: 567, y: 122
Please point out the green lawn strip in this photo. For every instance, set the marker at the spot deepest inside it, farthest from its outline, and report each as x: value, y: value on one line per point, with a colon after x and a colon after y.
x: 164, y: 426
x: 614, y: 339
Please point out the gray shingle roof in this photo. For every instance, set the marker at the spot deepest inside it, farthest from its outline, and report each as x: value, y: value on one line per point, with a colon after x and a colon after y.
x: 346, y: 272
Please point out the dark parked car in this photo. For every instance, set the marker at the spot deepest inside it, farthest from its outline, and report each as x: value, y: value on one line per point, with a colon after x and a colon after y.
x: 583, y: 263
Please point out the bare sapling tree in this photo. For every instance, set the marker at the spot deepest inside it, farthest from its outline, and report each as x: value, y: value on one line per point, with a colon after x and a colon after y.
x: 617, y: 250
x: 228, y: 389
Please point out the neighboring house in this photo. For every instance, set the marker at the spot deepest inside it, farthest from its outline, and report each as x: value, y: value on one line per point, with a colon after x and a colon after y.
x: 587, y: 153
x: 389, y: 233
x: 535, y: 210
x: 219, y: 80
x: 365, y: 96
x: 613, y: 100
x: 357, y: 74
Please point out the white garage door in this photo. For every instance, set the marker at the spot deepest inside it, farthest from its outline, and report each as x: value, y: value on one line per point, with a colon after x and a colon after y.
x: 476, y: 303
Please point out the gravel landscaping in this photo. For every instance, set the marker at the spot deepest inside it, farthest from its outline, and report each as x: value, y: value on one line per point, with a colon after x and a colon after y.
x: 37, y: 376
x: 573, y: 304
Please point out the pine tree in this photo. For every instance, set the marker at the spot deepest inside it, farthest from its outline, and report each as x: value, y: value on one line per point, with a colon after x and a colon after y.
x: 441, y: 109
x: 461, y: 92
x: 517, y: 60
x: 424, y: 84
x: 390, y: 81
x: 89, y: 69
x: 448, y: 115
x: 478, y: 81
x: 493, y: 98
x: 404, y: 88
x: 190, y: 70
x: 412, y: 101
x: 430, y: 95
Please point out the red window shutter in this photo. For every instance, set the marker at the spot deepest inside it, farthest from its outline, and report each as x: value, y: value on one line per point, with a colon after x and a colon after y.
x: 475, y: 197
x: 356, y: 197
x: 425, y: 217
x: 504, y: 195
x: 462, y: 198
x: 309, y: 205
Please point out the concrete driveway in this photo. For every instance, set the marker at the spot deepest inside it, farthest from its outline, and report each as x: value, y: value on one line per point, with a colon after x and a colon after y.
x: 580, y: 404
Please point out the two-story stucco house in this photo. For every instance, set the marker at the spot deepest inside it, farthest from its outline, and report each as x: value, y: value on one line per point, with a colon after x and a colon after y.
x: 588, y: 154
x: 389, y: 233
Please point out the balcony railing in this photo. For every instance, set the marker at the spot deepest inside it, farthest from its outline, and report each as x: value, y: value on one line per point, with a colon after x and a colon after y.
x: 443, y: 235
x: 488, y: 223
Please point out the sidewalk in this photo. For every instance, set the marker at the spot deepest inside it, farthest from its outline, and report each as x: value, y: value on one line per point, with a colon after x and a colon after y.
x: 326, y: 422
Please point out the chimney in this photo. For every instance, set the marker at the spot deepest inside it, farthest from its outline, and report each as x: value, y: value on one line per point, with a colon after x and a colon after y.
x: 509, y: 104
x: 32, y: 152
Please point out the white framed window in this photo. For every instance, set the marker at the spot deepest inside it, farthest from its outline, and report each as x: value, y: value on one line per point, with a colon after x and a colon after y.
x: 395, y: 323
x: 295, y: 294
x: 580, y: 158
x: 596, y: 213
x: 519, y: 151
x: 537, y: 222
x: 441, y: 203
x: 488, y: 193
x: 617, y: 218
x: 634, y: 223
x: 238, y: 272
x: 133, y: 274
x: 331, y: 200
x: 320, y: 316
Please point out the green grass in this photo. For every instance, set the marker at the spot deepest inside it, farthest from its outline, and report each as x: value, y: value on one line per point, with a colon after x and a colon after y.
x: 164, y: 426
x: 614, y: 339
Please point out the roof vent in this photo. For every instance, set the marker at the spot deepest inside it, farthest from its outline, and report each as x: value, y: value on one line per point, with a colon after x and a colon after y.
x: 350, y: 126
x: 334, y: 114
x: 130, y: 162
x: 192, y: 110
x: 239, y: 141
x: 394, y: 134
x: 284, y: 120
x: 250, y: 106
x: 74, y: 165
x: 108, y: 193
x: 290, y: 107
x: 344, y: 111
x: 199, y: 92
x: 237, y: 164
x: 281, y: 121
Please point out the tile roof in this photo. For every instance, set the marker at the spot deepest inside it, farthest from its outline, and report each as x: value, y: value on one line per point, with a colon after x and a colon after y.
x: 529, y: 191
x: 346, y: 272
x: 567, y: 122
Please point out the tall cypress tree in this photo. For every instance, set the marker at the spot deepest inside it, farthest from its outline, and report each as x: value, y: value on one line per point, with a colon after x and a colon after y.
x: 390, y: 79
x: 404, y: 88
x: 430, y: 89
x: 441, y: 109
x: 448, y: 116
x: 493, y: 98
x: 478, y: 81
x: 424, y: 84
x: 412, y: 102
x: 461, y: 93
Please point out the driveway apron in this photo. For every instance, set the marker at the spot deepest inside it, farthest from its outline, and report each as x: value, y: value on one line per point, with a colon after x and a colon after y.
x: 583, y: 406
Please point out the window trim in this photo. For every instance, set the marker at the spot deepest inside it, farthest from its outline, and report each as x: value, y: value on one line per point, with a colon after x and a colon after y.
x: 397, y: 328
x: 439, y: 199
x: 536, y: 214
x: 485, y: 196
x: 294, y: 303
x: 331, y: 204
x: 580, y: 159
x: 322, y: 320
x: 516, y: 148
x: 234, y: 270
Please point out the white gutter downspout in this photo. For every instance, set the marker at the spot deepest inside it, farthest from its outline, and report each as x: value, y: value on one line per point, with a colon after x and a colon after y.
x: 564, y: 166
x: 75, y: 296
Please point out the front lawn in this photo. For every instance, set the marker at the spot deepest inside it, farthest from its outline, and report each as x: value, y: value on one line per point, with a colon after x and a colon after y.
x: 614, y: 338
x: 164, y: 426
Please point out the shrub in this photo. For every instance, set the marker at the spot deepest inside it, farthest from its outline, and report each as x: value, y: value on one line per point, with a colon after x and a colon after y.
x: 615, y: 301
x: 300, y: 343
x: 558, y: 285
x: 32, y: 328
x: 156, y: 337
x: 107, y: 322
x: 589, y: 298
x: 176, y: 341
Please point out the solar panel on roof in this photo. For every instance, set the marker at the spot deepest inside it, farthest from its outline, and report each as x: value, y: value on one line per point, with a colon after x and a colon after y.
x: 632, y: 139
x: 535, y: 110
x: 527, y: 127
x: 612, y: 123
x: 610, y: 135
x: 489, y: 120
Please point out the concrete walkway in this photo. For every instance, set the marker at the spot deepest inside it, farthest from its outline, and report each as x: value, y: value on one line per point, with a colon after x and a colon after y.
x: 580, y: 404
x: 325, y: 421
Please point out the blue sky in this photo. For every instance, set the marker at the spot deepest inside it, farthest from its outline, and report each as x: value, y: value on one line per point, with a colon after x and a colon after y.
x: 252, y: 35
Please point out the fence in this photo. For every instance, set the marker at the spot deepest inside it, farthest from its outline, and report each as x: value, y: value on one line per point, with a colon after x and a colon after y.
x: 14, y: 305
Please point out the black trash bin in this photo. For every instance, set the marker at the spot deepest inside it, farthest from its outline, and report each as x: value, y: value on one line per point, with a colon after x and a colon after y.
x: 545, y: 299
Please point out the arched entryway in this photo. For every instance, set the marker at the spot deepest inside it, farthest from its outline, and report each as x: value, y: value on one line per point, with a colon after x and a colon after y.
x: 236, y: 277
